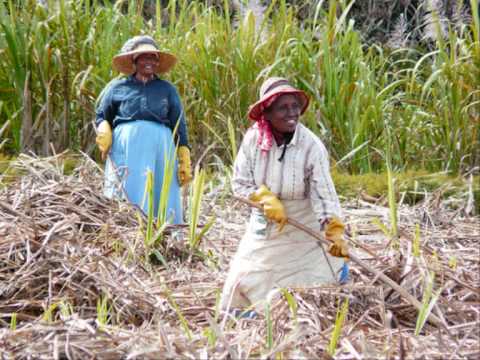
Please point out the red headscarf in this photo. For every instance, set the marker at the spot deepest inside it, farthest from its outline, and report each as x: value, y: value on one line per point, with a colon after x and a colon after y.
x: 265, y: 138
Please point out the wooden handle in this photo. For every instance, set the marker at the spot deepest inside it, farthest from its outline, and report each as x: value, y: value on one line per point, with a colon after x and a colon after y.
x: 384, y: 278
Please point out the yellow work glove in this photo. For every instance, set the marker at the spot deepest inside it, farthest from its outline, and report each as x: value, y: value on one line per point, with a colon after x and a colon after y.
x: 272, y: 206
x: 184, y: 165
x: 334, y: 233
x: 104, y: 138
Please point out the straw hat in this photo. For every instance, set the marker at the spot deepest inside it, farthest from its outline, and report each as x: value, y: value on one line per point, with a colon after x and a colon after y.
x: 144, y: 44
x: 271, y: 87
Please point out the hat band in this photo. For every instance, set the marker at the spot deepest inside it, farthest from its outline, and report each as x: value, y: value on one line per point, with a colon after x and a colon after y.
x: 135, y: 56
x: 276, y: 84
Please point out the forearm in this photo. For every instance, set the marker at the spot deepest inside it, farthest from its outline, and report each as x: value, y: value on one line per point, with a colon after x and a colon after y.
x: 105, y: 110
x: 182, y: 135
x: 243, y: 183
x: 325, y: 209
x: 176, y: 118
x: 242, y: 187
x: 323, y: 196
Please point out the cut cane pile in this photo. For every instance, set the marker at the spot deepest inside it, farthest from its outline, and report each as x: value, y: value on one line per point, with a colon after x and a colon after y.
x: 75, y: 281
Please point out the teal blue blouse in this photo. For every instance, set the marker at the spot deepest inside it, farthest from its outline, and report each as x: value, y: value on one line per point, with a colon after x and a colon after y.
x: 129, y: 99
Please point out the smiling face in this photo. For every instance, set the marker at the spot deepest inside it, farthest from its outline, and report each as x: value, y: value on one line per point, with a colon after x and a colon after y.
x: 284, y: 114
x: 146, y: 65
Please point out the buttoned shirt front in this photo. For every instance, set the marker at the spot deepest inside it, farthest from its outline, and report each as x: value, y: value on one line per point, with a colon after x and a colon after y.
x: 303, y: 173
x: 129, y: 99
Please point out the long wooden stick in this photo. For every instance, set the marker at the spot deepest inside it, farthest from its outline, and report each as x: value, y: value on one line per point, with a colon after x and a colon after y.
x: 384, y: 278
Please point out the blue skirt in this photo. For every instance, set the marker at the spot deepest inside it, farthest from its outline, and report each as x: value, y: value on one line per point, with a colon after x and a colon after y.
x: 137, y: 147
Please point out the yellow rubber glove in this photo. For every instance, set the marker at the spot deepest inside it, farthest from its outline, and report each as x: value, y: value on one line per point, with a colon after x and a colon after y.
x: 104, y: 138
x: 272, y: 206
x: 334, y: 233
x: 184, y: 165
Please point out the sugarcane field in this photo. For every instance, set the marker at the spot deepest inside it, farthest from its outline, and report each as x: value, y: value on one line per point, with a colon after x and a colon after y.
x: 239, y: 179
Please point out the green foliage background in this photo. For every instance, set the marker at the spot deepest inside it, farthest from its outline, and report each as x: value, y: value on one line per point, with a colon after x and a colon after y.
x: 420, y: 107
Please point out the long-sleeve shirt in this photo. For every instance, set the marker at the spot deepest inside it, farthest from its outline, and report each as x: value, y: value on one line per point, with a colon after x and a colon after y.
x: 129, y: 99
x: 303, y: 173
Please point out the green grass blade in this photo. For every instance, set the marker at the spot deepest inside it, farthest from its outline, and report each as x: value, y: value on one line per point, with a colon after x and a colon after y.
x: 337, y: 330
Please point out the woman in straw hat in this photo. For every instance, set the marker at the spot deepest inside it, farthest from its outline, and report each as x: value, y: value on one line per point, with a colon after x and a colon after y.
x: 284, y: 167
x: 147, y: 118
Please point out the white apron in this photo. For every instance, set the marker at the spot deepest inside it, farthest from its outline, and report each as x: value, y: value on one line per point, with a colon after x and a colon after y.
x: 267, y: 259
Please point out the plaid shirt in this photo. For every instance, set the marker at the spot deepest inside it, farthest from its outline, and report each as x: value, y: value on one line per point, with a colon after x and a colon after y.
x: 303, y: 173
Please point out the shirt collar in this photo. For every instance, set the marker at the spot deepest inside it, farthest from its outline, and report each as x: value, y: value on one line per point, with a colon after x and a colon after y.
x: 296, y: 135
x: 133, y: 79
x: 294, y: 140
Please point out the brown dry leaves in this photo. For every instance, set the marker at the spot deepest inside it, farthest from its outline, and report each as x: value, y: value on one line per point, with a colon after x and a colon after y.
x: 64, y: 247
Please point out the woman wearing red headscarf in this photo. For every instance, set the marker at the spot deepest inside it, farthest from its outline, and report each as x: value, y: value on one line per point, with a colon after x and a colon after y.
x: 284, y: 167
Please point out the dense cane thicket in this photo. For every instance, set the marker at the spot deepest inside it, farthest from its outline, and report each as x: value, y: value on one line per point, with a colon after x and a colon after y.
x: 392, y: 81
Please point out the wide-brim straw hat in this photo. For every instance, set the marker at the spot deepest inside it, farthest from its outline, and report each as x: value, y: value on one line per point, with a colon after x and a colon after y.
x: 274, y: 86
x: 124, y: 62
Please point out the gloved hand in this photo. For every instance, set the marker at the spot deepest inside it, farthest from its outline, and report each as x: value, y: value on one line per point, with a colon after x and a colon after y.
x: 334, y: 232
x: 184, y: 165
x: 272, y: 206
x: 104, y: 138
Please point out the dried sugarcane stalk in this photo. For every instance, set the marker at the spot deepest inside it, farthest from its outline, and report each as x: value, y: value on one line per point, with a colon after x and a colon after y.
x: 384, y: 278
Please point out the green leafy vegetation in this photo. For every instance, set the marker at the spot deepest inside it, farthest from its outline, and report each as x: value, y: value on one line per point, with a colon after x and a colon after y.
x: 337, y: 330
x: 422, y: 104
x: 411, y: 186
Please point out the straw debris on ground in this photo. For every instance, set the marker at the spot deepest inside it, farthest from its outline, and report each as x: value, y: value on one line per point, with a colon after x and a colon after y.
x: 75, y: 281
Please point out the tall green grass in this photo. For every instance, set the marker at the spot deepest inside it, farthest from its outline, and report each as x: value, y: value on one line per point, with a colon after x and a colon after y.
x: 104, y: 310
x: 13, y: 322
x: 337, y: 329
x: 159, y: 221
x: 429, y: 300
x: 195, y: 201
x: 423, y: 103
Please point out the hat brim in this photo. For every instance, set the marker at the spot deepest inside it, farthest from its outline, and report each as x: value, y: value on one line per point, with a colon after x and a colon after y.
x: 255, y: 110
x: 124, y: 62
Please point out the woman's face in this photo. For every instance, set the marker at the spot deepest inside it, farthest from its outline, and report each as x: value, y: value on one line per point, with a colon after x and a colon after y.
x: 146, y: 64
x: 284, y: 113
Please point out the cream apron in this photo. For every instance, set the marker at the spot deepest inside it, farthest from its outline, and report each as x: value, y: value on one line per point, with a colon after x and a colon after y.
x: 267, y: 259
